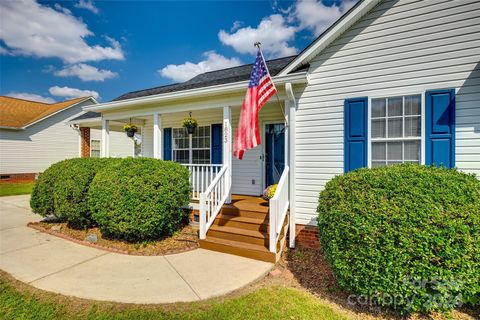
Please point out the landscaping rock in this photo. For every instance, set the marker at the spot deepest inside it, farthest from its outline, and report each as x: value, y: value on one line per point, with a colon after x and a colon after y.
x: 56, y: 228
x: 92, y: 238
x: 276, y: 272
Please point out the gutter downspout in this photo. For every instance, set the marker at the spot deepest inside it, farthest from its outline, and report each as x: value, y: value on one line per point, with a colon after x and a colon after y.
x: 292, y: 105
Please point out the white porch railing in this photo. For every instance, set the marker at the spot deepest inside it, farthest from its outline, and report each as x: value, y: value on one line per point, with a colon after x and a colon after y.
x: 201, y: 176
x: 212, y: 200
x: 278, y: 209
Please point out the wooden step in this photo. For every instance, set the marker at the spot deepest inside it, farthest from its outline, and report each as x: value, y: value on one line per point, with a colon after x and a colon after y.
x: 234, y: 211
x: 241, y: 222
x: 239, y: 234
x: 257, y: 252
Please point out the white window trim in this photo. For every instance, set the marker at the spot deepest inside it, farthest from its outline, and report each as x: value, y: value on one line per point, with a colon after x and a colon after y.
x: 422, y: 120
x: 100, y: 146
x: 190, y: 144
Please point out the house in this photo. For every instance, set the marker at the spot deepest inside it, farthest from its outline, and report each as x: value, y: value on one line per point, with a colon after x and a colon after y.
x: 34, y: 135
x: 389, y: 82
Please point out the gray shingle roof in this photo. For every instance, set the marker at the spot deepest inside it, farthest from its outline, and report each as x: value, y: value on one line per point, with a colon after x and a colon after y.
x: 211, y: 78
x: 206, y: 79
x: 87, y: 115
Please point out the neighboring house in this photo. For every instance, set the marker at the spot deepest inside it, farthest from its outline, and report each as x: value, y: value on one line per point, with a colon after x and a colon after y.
x: 34, y: 135
x: 389, y: 82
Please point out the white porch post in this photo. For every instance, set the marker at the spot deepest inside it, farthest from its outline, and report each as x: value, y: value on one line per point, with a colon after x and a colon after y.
x: 157, y: 136
x: 227, y: 149
x: 105, y: 143
x: 291, y: 108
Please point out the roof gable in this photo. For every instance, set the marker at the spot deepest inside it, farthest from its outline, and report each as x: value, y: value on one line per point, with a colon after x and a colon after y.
x: 331, y: 34
x: 18, y: 113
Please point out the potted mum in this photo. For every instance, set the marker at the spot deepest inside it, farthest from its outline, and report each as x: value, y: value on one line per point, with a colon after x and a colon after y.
x: 269, y: 192
x: 130, y: 129
x: 190, y: 124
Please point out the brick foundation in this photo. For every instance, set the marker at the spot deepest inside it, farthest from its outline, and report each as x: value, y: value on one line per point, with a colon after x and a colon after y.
x: 17, y: 177
x: 307, y: 236
x: 85, y: 142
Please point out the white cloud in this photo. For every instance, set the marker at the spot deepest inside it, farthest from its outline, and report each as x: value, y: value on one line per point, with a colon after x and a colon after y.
x: 88, y: 5
x: 30, y: 96
x: 273, y: 32
x: 188, y: 70
x: 62, y: 9
x: 46, y: 32
x: 71, y: 93
x: 315, y: 16
x: 85, y: 72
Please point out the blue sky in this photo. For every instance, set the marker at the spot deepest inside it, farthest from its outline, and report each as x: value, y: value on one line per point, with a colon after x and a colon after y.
x: 56, y: 50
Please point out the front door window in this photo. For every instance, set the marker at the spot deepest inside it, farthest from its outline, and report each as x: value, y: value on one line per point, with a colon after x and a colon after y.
x: 274, y: 152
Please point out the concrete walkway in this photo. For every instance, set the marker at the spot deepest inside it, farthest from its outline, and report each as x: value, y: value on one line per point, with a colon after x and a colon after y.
x: 51, y: 263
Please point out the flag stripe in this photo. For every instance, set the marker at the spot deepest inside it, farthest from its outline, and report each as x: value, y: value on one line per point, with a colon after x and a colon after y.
x: 260, y: 89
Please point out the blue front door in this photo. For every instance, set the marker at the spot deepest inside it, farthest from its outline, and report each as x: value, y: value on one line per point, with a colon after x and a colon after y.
x: 274, y: 152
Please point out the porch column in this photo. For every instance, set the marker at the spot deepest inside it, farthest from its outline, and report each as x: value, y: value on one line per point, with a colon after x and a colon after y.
x: 157, y: 136
x: 105, y: 143
x: 227, y: 148
x: 291, y: 109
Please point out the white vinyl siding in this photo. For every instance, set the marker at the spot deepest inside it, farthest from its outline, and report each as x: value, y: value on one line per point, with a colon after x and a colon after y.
x: 121, y: 146
x: 398, y: 48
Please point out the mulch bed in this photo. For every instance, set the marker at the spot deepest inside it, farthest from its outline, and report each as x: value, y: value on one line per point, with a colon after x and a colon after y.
x: 183, y: 240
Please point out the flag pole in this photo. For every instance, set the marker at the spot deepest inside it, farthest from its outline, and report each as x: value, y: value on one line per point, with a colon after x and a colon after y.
x: 258, y: 44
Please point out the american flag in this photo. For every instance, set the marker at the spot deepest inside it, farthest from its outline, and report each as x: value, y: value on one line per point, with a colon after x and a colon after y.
x: 260, y: 89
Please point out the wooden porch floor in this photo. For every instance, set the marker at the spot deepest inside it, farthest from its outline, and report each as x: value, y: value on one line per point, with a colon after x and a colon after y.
x: 248, y: 203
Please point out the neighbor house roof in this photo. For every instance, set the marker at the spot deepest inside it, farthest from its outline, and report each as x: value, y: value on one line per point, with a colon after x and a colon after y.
x: 18, y: 113
x: 212, y: 78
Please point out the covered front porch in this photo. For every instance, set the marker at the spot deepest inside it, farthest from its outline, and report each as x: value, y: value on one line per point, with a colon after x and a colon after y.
x: 207, y: 152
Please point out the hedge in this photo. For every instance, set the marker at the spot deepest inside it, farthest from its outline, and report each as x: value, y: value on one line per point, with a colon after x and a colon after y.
x: 140, y: 199
x: 63, y: 188
x: 71, y: 190
x: 407, y: 236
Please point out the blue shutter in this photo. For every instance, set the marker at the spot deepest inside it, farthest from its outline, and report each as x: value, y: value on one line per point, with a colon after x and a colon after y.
x: 167, y: 144
x: 216, y: 150
x: 355, y: 133
x: 440, y: 128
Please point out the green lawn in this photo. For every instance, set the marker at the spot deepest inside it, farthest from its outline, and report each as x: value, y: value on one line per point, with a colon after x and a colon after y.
x: 11, y: 189
x: 267, y: 303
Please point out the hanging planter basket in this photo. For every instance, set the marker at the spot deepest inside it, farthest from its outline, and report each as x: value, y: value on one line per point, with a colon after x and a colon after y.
x: 190, y: 124
x: 130, y: 129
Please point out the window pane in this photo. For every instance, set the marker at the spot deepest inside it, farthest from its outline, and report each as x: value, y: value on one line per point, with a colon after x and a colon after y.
x: 378, y: 128
x: 379, y: 151
x: 378, y: 164
x: 395, y: 106
x: 413, y: 127
x: 395, y: 128
x: 394, y: 151
x: 201, y: 156
x: 95, y: 153
x: 180, y: 156
x: 412, y: 150
x: 413, y: 105
x: 378, y: 108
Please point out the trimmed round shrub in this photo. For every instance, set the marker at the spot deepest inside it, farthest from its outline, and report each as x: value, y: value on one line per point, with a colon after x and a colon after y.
x: 62, y: 190
x: 42, y: 197
x: 140, y: 199
x: 407, y: 236
x: 71, y: 189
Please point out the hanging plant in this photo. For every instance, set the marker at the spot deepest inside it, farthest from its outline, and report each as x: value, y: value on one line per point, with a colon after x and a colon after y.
x: 130, y: 129
x: 190, y: 124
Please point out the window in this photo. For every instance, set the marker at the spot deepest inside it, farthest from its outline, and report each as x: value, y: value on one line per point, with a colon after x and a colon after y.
x: 95, y: 148
x: 191, y: 149
x: 396, y: 130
